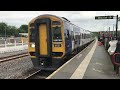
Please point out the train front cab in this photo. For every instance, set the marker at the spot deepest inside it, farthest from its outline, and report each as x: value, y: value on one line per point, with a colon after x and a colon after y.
x: 46, y: 42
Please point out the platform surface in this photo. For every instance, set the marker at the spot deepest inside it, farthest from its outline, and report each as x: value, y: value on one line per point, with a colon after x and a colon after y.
x: 100, y: 66
x: 92, y: 63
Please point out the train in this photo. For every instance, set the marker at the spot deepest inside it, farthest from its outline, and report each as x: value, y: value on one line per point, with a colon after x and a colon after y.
x: 52, y: 38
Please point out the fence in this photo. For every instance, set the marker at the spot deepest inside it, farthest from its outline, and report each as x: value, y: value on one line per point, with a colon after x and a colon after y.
x: 11, y: 47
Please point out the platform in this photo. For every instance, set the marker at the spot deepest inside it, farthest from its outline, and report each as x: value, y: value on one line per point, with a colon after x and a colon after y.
x: 4, y: 50
x: 92, y: 63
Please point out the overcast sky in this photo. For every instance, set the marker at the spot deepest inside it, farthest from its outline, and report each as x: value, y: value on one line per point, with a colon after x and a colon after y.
x: 84, y: 19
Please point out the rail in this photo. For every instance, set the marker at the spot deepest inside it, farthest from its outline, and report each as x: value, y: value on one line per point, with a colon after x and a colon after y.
x: 31, y: 75
x: 9, y: 58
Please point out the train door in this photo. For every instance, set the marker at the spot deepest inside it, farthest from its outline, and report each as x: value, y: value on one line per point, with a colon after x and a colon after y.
x: 43, y: 42
x: 43, y: 39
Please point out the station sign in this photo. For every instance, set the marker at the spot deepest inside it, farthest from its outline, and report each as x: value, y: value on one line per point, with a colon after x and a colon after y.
x: 104, y: 17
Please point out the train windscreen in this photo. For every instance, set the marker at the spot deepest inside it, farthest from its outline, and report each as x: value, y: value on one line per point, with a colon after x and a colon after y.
x: 57, y: 37
x: 32, y: 35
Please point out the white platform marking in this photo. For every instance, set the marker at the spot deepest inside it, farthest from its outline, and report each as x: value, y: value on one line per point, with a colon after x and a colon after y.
x: 98, y: 70
x: 99, y: 63
x: 79, y: 56
x: 80, y: 71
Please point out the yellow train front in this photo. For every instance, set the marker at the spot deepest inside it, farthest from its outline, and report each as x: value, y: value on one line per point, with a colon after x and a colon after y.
x: 50, y: 40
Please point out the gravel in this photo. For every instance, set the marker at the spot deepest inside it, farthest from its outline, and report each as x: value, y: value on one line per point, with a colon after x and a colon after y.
x: 15, y: 68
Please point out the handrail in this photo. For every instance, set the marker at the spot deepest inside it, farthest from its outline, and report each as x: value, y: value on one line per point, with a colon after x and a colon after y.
x: 113, y: 59
x: 116, y: 65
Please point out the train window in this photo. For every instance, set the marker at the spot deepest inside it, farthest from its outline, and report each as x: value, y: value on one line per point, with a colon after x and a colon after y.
x: 68, y: 37
x: 56, y: 23
x: 57, y: 33
x: 32, y: 35
x: 68, y: 34
x: 82, y: 36
x: 72, y: 35
x: 78, y: 36
x: 75, y: 37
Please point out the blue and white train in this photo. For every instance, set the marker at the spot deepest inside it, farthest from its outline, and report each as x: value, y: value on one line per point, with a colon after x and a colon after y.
x: 52, y: 38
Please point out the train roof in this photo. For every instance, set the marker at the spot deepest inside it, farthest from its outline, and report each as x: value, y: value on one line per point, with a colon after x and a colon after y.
x: 62, y: 18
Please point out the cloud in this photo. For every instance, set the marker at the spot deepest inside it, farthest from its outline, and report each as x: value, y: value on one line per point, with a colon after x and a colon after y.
x: 84, y: 19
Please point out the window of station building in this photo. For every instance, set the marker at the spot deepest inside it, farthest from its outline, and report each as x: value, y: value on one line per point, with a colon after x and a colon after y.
x: 57, y: 33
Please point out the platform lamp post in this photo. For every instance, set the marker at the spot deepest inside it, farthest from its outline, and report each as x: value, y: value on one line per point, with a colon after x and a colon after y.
x: 113, y: 30
x: 109, y: 30
x: 116, y: 26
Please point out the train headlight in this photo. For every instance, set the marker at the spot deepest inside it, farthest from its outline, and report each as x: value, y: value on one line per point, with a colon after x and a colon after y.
x: 32, y: 45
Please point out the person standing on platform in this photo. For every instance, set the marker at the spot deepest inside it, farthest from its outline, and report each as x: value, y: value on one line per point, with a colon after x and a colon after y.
x: 102, y: 37
x: 110, y: 36
x: 98, y: 36
x: 107, y: 39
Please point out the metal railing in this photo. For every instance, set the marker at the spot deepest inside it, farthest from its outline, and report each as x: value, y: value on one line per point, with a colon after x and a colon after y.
x: 116, y: 62
x: 11, y: 47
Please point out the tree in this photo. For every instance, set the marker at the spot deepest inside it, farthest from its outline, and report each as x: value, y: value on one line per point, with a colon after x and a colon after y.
x: 10, y: 30
x: 23, y: 29
x: 3, y: 26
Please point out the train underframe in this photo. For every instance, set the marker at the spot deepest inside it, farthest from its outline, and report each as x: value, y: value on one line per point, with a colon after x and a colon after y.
x: 47, y: 63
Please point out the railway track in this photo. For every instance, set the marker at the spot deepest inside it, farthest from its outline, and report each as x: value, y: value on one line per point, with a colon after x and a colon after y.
x: 32, y: 74
x: 12, y: 57
x: 39, y: 74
